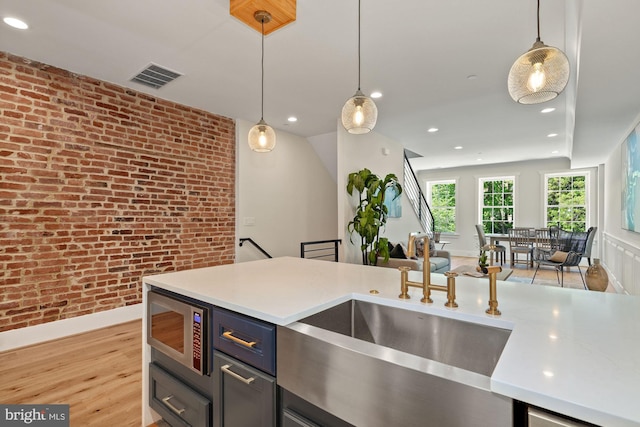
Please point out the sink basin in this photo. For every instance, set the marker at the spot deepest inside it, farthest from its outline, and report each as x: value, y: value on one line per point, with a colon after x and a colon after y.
x: 370, y: 364
x: 465, y: 345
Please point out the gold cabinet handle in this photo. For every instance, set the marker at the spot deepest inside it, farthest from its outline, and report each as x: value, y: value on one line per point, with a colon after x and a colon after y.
x: 170, y: 405
x: 226, y: 370
x: 229, y: 335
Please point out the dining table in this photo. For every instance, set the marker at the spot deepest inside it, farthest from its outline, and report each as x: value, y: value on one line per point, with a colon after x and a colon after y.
x: 496, y: 238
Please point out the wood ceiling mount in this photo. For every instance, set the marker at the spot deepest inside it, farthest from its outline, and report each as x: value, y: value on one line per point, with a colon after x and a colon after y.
x: 283, y: 12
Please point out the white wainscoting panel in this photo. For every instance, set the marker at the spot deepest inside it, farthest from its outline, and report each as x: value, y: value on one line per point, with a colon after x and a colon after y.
x: 622, y: 261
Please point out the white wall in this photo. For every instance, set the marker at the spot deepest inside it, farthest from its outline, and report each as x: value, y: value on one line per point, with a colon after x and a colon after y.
x: 621, y: 248
x: 529, y: 201
x: 287, y: 194
x: 326, y: 146
x: 356, y: 152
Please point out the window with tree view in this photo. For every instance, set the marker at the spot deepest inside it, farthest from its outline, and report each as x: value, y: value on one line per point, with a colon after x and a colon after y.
x: 497, y: 204
x: 566, y: 201
x: 442, y: 201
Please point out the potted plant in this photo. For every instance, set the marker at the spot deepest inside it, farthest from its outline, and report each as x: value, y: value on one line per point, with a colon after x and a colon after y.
x: 482, y: 261
x: 371, y: 212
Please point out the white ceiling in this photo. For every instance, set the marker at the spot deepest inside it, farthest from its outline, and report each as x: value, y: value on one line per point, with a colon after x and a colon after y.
x: 419, y: 53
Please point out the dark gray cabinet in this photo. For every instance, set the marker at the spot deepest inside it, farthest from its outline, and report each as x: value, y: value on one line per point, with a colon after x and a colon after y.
x: 179, y: 404
x: 244, y: 396
x: 291, y: 419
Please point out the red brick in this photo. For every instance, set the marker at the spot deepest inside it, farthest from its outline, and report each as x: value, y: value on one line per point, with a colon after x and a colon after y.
x: 73, y: 247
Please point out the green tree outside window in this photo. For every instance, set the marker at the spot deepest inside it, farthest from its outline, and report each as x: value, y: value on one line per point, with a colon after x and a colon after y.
x: 566, y: 201
x: 497, y: 204
x: 443, y: 206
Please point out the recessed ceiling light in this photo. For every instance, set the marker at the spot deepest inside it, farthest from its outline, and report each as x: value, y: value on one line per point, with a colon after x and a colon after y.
x: 432, y: 130
x: 376, y: 94
x: 555, y: 152
x: 548, y: 374
x: 15, y: 23
x: 479, y: 159
x: 547, y: 110
x: 458, y: 147
x: 292, y: 119
x: 551, y: 135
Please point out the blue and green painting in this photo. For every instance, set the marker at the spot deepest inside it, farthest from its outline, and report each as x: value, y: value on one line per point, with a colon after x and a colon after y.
x: 631, y: 181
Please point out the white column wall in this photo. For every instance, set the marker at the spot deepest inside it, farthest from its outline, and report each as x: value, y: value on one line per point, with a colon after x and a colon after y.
x: 283, y: 197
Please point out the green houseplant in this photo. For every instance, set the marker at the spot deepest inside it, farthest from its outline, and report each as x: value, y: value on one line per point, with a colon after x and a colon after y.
x: 371, y: 212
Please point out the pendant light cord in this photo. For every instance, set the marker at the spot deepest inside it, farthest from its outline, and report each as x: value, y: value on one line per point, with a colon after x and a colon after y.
x: 262, y: 72
x: 538, y: 39
x: 358, y: 45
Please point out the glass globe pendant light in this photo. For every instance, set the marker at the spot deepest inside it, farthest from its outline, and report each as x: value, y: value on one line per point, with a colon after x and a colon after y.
x: 359, y: 114
x: 262, y: 137
x: 540, y: 74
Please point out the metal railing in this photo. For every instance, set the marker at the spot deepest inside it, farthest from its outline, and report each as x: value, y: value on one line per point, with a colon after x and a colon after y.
x: 320, y: 249
x: 417, y: 199
x: 250, y: 240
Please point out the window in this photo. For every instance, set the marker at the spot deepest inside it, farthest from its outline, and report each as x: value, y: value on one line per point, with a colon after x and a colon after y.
x: 566, y: 201
x: 496, y: 204
x: 442, y: 201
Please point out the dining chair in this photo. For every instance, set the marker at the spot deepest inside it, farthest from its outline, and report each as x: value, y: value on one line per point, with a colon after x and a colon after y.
x: 545, y: 241
x: 521, y: 242
x: 587, y: 249
x: 500, y: 250
x: 545, y: 244
x: 569, y: 251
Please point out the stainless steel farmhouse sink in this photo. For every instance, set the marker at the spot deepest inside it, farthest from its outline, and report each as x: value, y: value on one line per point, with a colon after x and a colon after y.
x: 377, y: 365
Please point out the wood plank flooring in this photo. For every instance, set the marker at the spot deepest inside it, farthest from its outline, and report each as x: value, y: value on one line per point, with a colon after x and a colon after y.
x: 545, y: 276
x: 99, y: 373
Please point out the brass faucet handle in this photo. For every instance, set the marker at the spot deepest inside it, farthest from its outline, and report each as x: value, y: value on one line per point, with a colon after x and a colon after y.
x: 404, y: 287
x: 451, y: 289
x: 493, y: 291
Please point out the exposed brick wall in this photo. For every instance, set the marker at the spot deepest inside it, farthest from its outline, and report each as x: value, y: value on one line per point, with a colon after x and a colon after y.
x: 101, y: 185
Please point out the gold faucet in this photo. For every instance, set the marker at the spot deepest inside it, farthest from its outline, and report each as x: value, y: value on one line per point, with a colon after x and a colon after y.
x: 493, y: 293
x: 426, y: 285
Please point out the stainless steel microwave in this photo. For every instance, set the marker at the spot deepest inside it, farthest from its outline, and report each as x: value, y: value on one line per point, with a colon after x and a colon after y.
x: 179, y: 327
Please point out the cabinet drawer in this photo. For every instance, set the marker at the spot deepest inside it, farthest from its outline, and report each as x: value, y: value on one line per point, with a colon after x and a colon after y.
x: 245, y: 397
x: 177, y: 403
x: 247, y: 339
x: 291, y: 419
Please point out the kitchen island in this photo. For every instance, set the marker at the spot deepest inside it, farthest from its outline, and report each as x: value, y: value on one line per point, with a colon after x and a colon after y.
x: 573, y: 352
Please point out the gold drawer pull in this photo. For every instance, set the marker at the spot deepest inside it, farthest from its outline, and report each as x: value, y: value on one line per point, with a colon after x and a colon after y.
x: 170, y: 405
x: 229, y: 335
x: 226, y: 370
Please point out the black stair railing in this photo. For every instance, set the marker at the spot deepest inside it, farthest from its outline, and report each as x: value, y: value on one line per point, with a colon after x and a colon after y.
x: 257, y: 246
x: 320, y: 249
x: 417, y: 199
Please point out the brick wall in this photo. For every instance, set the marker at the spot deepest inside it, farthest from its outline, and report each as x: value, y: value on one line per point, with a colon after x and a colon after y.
x: 99, y: 186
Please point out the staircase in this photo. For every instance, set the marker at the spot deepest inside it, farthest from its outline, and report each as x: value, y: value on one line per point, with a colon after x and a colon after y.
x: 417, y: 199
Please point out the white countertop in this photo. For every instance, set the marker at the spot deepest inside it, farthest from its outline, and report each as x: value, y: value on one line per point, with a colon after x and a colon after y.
x: 571, y: 351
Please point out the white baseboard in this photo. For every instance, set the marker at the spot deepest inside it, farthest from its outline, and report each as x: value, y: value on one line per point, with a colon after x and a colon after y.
x: 16, y: 338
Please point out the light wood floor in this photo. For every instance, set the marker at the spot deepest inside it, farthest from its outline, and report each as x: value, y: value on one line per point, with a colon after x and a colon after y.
x: 545, y: 275
x: 99, y: 373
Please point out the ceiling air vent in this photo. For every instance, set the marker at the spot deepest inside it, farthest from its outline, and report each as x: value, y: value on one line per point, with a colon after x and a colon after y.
x: 155, y: 76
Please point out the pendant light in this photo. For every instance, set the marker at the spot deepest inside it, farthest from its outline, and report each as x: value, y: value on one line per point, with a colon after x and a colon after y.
x: 359, y: 114
x: 262, y: 137
x: 540, y: 74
